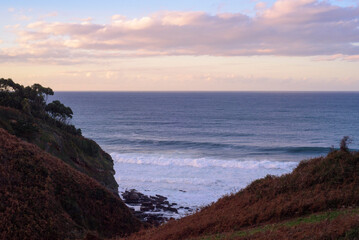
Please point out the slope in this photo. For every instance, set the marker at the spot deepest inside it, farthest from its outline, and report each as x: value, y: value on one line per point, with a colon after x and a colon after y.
x: 53, y: 137
x: 316, y: 185
x: 41, y: 197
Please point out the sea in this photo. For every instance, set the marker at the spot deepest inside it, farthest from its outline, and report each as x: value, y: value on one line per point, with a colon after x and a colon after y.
x: 195, y: 147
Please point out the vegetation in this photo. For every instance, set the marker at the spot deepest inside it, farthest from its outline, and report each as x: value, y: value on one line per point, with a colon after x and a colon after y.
x: 31, y: 100
x: 344, y: 143
x: 25, y: 114
x: 41, y: 197
x: 317, y: 185
x: 331, y: 225
x: 59, y: 111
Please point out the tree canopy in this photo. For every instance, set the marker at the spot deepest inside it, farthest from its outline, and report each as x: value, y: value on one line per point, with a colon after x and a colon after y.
x: 59, y: 111
x: 32, y: 100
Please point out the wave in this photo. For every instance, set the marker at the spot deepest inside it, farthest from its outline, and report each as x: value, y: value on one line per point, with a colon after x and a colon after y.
x: 178, y: 143
x: 177, y: 180
x: 163, y: 160
x: 220, y: 147
x: 318, y: 150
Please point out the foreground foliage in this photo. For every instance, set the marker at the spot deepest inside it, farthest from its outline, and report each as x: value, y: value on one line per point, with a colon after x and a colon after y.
x: 41, y: 197
x: 337, y: 224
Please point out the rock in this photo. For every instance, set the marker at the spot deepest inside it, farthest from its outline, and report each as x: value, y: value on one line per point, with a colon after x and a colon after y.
x: 159, y: 206
x: 146, y: 209
x: 170, y: 209
x: 131, y: 196
x: 147, y: 204
x: 151, y: 207
x: 161, y: 197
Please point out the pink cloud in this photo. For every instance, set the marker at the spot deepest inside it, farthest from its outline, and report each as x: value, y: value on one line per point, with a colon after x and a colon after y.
x: 289, y: 28
x: 351, y: 58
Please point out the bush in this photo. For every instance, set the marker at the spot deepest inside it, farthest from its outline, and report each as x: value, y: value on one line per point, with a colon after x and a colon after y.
x: 25, y: 128
x: 346, y: 140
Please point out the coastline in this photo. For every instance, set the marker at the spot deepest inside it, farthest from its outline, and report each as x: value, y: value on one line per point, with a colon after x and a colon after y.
x: 154, y: 210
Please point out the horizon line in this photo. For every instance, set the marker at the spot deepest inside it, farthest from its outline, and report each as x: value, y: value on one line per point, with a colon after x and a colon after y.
x: 210, y: 91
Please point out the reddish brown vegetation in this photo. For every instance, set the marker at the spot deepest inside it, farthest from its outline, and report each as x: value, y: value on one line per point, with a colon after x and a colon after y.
x: 315, y: 185
x: 345, y: 227
x: 341, y: 228
x: 41, y: 197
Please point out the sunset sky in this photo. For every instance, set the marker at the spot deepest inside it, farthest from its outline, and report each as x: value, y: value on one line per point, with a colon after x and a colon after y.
x: 201, y: 45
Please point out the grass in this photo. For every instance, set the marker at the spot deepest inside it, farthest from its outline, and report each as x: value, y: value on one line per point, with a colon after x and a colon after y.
x: 311, y: 219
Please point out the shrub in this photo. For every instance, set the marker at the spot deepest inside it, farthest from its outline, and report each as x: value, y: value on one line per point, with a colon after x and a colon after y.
x: 346, y: 140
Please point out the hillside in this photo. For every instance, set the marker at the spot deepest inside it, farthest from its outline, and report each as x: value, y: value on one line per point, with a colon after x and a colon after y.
x: 25, y: 113
x: 271, y: 208
x: 79, y: 152
x: 41, y: 197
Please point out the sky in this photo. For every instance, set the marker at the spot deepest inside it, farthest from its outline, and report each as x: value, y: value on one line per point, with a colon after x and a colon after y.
x: 202, y: 45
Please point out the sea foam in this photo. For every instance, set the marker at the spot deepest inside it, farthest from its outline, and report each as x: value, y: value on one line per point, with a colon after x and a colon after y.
x: 163, y: 160
x: 189, y: 181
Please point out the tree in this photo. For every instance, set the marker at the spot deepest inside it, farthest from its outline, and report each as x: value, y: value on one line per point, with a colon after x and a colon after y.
x: 8, y: 85
x: 37, y: 95
x: 10, y: 93
x: 31, y: 100
x: 42, y: 91
x: 59, y: 111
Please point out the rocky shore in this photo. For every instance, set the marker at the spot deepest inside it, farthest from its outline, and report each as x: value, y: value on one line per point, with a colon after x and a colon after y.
x: 154, y: 210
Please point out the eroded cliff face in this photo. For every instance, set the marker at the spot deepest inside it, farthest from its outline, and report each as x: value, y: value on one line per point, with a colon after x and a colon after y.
x: 79, y: 152
x: 41, y: 197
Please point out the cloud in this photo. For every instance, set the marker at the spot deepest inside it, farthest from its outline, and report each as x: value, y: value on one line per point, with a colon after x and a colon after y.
x: 351, y: 58
x: 288, y: 28
x: 260, y: 5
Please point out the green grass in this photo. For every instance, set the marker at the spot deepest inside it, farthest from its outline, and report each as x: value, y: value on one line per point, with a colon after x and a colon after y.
x: 311, y: 219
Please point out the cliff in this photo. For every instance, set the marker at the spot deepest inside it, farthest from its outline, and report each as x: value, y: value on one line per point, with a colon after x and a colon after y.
x: 41, y: 197
x: 79, y: 152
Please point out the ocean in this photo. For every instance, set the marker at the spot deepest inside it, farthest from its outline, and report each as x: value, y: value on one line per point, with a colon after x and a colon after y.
x: 194, y: 147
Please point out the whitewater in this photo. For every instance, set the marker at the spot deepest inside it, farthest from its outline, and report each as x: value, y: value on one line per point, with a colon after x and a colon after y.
x: 190, y: 182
